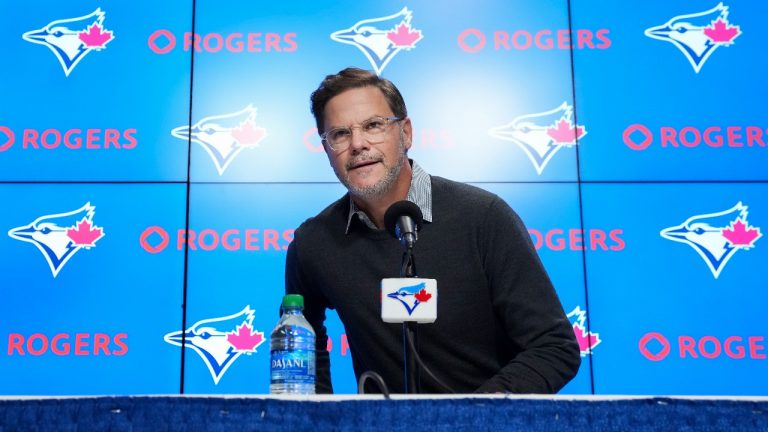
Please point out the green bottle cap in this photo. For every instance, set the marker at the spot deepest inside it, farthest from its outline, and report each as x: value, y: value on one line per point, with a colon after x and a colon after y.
x: 293, y: 300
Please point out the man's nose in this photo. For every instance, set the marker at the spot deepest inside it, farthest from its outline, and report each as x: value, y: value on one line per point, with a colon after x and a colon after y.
x: 358, y: 141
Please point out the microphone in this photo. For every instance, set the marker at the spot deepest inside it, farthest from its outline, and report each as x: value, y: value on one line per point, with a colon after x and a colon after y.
x: 403, y: 220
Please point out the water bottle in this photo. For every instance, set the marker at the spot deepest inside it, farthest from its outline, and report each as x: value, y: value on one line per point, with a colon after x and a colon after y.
x: 292, y: 351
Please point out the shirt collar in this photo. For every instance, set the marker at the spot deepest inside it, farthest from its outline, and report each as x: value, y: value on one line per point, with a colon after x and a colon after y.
x: 420, y: 193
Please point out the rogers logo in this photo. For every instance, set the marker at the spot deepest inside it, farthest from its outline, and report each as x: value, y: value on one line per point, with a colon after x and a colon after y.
x: 10, y: 138
x: 473, y: 40
x: 343, y: 342
x: 639, y: 137
x: 156, y: 239
x: 65, y: 344
x: 164, y: 41
x: 575, y: 239
x: 73, y: 139
x: 656, y: 347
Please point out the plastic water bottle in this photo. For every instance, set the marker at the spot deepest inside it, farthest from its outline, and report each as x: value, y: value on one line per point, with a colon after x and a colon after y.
x: 292, y: 351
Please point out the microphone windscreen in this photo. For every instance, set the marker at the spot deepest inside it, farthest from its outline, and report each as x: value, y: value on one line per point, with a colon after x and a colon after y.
x: 402, y: 208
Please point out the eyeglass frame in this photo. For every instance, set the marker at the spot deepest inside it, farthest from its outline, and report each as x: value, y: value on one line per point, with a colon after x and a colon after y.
x: 389, y: 120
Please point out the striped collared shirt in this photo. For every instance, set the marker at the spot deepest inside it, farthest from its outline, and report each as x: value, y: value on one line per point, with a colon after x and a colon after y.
x: 420, y: 193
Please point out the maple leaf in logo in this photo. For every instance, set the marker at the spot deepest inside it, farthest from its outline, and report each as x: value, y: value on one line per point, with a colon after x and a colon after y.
x: 95, y: 37
x: 403, y: 37
x: 245, y: 339
x: 247, y: 134
x: 422, y: 296
x: 722, y: 32
x: 740, y: 234
x: 587, y: 340
x: 85, y: 234
x: 563, y: 133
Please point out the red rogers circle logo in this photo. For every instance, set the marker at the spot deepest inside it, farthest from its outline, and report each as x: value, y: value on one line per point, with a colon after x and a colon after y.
x: 11, y: 137
x: 70, y: 139
x: 639, y: 137
x: 156, y: 239
x: 656, y: 347
x: 473, y: 40
x: 163, y: 41
x: 657, y: 337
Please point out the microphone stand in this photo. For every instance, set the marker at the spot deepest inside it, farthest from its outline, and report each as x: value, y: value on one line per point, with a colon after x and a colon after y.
x: 410, y: 371
x: 403, y: 220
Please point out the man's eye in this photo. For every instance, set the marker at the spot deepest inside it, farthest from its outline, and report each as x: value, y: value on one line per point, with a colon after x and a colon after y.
x: 339, y: 133
x: 374, y: 124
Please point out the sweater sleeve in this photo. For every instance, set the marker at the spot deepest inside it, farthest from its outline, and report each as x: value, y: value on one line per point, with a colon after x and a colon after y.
x: 527, y: 306
x: 314, y: 311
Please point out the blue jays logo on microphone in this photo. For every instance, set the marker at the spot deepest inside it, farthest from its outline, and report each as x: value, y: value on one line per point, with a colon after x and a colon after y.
x: 541, y: 135
x: 60, y: 236
x: 71, y: 39
x: 381, y: 39
x: 698, y: 35
x: 224, y: 136
x: 220, y: 341
x: 716, y: 237
x: 411, y: 296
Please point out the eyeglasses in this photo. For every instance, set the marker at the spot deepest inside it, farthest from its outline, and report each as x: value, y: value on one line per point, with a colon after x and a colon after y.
x: 373, y: 130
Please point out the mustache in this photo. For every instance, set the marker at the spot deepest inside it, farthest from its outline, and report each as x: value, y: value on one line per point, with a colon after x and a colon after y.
x: 366, y: 157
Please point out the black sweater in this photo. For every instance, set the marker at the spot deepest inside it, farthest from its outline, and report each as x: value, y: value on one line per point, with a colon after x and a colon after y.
x: 500, y: 325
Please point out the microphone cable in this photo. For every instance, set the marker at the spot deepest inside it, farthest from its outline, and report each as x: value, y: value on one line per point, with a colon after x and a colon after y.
x: 377, y: 379
x: 415, y: 353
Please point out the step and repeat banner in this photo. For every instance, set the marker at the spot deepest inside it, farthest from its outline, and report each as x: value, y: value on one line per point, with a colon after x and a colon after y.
x: 156, y: 157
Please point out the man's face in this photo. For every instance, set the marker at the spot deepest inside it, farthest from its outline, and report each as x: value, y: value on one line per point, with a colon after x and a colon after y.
x: 368, y: 170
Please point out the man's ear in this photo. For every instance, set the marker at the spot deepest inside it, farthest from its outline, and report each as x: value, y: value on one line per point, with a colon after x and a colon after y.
x: 407, y: 133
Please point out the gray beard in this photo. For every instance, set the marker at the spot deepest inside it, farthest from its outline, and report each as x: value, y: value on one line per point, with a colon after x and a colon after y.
x: 381, y: 187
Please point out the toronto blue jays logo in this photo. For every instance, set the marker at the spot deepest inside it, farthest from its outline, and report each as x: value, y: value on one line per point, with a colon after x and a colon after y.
x: 716, y: 237
x: 381, y: 39
x: 71, y: 39
x: 411, y: 296
x: 587, y: 340
x: 220, y: 341
x: 224, y: 136
x: 698, y: 35
x: 60, y: 236
x: 542, y: 135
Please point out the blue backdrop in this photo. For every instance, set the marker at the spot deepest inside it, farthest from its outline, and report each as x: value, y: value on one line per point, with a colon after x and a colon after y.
x: 156, y: 157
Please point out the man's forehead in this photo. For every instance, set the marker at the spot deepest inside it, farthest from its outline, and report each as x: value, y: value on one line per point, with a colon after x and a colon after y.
x: 356, y: 105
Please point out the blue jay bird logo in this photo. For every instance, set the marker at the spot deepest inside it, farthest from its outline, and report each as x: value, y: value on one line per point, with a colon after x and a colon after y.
x: 541, y: 135
x: 72, y: 39
x: 587, y: 340
x: 698, y: 35
x: 381, y: 39
x: 220, y: 341
x: 716, y: 237
x: 224, y: 136
x: 411, y: 296
x: 60, y: 236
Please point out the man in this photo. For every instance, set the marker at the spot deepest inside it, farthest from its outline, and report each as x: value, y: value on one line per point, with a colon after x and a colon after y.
x: 500, y: 326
